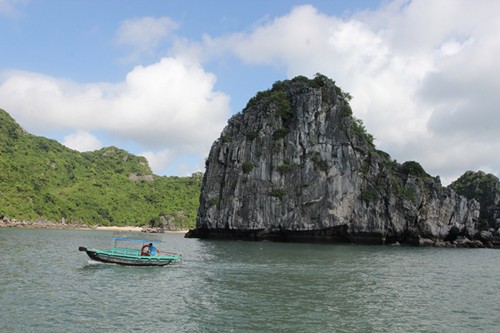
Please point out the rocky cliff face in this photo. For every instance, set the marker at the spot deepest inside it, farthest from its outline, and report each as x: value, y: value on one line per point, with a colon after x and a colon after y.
x: 296, y: 165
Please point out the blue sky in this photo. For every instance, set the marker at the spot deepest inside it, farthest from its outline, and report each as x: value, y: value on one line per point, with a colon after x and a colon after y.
x: 160, y: 78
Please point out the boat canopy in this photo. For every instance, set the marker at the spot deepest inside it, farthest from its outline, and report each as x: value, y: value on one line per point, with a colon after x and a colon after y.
x: 124, y: 239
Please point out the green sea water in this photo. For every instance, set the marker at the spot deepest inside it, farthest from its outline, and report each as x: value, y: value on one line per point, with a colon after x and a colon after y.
x: 47, y: 285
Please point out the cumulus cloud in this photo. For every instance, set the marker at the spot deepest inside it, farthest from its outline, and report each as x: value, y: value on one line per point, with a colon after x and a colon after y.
x: 158, y: 160
x: 166, y: 105
x: 423, y: 73
x: 82, y: 141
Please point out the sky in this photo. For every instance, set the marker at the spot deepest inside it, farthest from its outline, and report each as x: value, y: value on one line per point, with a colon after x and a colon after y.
x: 160, y: 78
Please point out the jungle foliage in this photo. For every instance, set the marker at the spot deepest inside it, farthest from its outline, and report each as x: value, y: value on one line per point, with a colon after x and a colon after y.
x: 41, y: 179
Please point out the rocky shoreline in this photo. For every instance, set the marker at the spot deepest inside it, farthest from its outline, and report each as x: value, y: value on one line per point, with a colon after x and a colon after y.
x: 484, y: 239
x: 44, y: 224
x: 491, y: 242
x: 454, y: 239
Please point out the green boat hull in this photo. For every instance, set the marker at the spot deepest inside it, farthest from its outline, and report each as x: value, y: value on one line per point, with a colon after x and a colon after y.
x: 130, y: 257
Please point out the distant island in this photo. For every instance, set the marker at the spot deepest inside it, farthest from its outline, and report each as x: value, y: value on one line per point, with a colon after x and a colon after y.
x: 296, y: 165
x: 44, y: 183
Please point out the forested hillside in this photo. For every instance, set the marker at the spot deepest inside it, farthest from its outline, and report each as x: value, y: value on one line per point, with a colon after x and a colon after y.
x: 41, y: 179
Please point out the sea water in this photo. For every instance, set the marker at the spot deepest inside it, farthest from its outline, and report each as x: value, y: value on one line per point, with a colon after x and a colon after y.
x: 47, y: 285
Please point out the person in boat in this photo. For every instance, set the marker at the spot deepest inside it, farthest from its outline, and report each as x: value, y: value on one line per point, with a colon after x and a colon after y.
x: 149, y: 250
x: 153, y: 251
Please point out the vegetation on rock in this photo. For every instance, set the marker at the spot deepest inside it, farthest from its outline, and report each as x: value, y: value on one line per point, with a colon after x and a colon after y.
x: 247, y: 167
x: 415, y: 169
x: 485, y: 188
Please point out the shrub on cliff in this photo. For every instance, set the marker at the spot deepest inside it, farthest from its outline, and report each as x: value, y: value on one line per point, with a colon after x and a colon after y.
x: 414, y: 169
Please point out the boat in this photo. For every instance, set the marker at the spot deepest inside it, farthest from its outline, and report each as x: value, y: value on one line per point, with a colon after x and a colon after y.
x: 126, y: 252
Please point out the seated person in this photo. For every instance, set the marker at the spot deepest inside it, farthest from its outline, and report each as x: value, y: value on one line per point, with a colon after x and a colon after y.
x: 153, y: 251
x: 149, y: 250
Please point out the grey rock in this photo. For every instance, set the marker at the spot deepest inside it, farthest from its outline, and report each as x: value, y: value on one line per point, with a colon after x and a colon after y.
x: 426, y: 242
x: 485, y: 236
x: 295, y: 165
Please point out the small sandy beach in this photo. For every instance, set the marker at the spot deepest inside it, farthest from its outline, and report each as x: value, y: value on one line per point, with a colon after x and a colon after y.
x: 135, y: 229
x: 6, y: 223
x: 115, y: 228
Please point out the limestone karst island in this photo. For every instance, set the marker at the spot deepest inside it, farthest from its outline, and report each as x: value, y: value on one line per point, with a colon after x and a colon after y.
x: 295, y: 165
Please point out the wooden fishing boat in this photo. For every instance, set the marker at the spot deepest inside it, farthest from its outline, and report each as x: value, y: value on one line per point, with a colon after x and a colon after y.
x: 125, y: 253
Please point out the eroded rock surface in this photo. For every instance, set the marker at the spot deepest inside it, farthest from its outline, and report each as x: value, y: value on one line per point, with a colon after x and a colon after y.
x: 296, y: 165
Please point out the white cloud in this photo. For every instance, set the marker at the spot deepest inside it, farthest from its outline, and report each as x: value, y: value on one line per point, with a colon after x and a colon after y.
x: 82, y: 141
x: 158, y: 160
x: 144, y: 34
x: 10, y: 8
x: 169, y: 105
x: 424, y: 74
